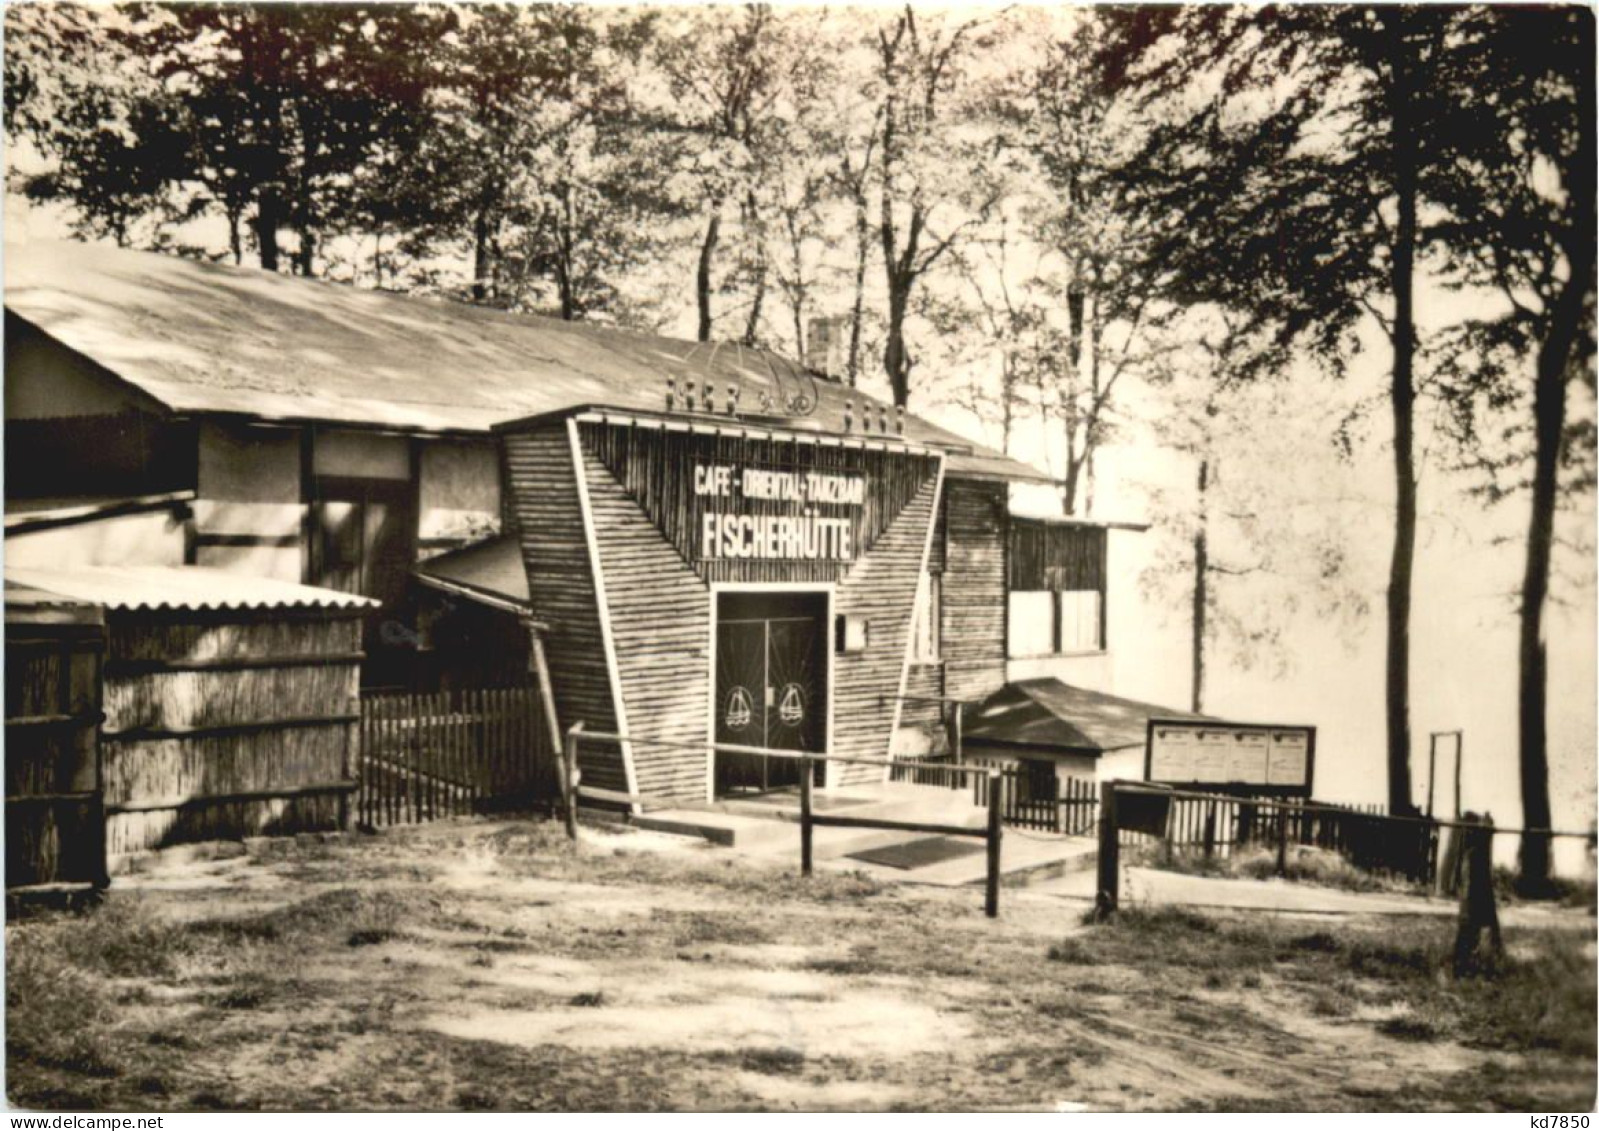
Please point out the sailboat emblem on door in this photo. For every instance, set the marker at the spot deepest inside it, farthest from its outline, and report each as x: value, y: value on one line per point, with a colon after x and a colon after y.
x: 791, y: 706
x: 739, y: 709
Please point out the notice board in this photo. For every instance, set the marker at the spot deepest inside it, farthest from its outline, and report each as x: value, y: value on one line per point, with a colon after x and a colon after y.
x: 1260, y: 757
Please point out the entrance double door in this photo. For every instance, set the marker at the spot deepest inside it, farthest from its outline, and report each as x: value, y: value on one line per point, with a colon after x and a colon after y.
x: 771, y: 685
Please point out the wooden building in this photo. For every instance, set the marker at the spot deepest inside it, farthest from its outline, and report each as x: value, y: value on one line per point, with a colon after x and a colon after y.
x: 228, y: 704
x: 716, y: 544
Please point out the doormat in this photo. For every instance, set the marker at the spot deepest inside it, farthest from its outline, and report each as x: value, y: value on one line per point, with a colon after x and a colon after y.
x: 920, y: 853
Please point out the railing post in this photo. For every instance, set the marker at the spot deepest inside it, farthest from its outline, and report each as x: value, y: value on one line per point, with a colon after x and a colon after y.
x: 1282, y: 838
x: 1109, y: 879
x: 1210, y: 831
x: 995, y: 827
x: 806, y: 785
x: 570, y: 778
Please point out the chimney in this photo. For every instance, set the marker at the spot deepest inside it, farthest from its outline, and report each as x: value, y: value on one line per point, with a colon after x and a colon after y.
x: 826, y: 346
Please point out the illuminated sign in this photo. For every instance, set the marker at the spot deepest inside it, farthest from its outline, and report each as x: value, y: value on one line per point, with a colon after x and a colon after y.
x: 1202, y: 752
x: 759, y: 513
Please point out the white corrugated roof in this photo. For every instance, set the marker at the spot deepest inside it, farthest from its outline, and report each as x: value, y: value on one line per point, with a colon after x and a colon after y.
x: 182, y: 587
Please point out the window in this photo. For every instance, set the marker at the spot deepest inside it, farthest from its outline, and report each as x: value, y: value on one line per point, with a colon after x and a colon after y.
x: 1046, y: 623
x: 1078, y: 621
x: 1032, y: 623
x: 925, y: 643
x: 1055, y: 575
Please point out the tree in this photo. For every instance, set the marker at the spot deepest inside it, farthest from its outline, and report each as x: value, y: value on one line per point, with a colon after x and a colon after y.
x: 1083, y: 141
x: 107, y: 131
x: 1249, y: 547
x: 1300, y: 186
x: 917, y: 70
x: 1520, y: 201
x: 730, y: 74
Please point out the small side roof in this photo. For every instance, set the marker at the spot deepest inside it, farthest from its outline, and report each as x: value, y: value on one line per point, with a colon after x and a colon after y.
x: 490, y: 571
x: 178, y: 587
x: 1048, y: 713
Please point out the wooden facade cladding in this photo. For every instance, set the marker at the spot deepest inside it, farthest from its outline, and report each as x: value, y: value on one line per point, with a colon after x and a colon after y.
x: 1044, y: 555
x: 656, y: 468
x: 641, y: 610
x: 660, y: 615
x: 549, y: 519
x: 973, y: 625
x: 881, y: 588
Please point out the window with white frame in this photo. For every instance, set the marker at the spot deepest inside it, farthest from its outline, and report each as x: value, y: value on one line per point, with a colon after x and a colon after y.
x: 1050, y: 623
x: 925, y: 643
x: 1032, y: 623
x: 1078, y: 621
x: 1055, y: 581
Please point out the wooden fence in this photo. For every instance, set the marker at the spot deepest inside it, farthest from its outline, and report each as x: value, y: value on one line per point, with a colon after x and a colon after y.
x: 1219, y: 825
x: 55, y: 814
x: 1072, y: 811
x: 424, y: 757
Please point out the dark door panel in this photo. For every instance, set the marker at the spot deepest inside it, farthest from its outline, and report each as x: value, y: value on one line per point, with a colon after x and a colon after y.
x: 771, y: 685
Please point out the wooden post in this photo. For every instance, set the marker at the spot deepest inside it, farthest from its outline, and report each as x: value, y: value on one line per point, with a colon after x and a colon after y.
x: 995, y: 828
x: 1282, y: 838
x: 806, y: 772
x: 958, y: 734
x: 547, y: 698
x: 570, y: 778
x: 1109, y: 881
x: 1210, y: 832
x: 1432, y: 767
x: 1478, y: 912
x: 1460, y: 750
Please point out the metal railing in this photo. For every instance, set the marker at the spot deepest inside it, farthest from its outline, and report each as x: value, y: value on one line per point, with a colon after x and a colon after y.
x: 573, y: 789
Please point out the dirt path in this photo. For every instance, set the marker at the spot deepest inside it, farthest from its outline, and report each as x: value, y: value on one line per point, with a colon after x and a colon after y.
x: 475, y: 965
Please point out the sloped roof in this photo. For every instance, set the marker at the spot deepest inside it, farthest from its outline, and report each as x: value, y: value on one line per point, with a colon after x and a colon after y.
x: 492, y: 568
x: 203, y: 338
x: 1049, y: 713
x: 179, y: 587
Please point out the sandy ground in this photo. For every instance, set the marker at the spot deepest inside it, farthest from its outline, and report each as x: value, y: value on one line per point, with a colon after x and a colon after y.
x: 653, y: 972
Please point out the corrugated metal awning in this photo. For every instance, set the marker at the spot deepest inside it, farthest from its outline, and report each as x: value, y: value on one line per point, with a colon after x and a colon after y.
x: 180, y: 587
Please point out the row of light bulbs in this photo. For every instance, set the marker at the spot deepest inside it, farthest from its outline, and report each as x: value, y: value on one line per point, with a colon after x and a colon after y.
x: 706, y: 400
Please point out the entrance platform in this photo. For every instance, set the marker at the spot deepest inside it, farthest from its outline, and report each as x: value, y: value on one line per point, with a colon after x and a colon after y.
x: 768, y: 825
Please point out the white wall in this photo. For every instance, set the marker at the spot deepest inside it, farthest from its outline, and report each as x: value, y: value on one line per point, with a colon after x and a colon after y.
x: 153, y: 538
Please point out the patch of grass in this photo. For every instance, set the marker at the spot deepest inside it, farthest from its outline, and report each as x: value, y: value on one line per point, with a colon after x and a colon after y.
x: 372, y: 936
x: 1331, y: 1003
x: 243, y: 997
x: 694, y: 927
x: 590, y: 1000
x: 1305, y: 864
x: 58, y: 1014
x: 1073, y: 952
x: 773, y: 1062
x: 1408, y: 1029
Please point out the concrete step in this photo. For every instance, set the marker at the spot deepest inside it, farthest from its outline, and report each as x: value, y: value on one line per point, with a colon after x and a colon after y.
x: 731, y: 830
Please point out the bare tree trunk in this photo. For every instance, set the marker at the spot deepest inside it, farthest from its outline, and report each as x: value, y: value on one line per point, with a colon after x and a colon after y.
x: 266, y: 227
x: 1201, y: 590
x: 702, y: 280
x: 235, y: 237
x: 480, y: 254
x: 1403, y: 399
x: 863, y: 240
x: 1549, y: 414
